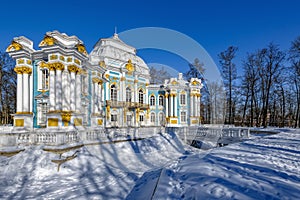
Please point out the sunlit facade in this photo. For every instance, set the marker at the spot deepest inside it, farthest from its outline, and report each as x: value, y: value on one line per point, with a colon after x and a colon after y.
x: 62, y: 86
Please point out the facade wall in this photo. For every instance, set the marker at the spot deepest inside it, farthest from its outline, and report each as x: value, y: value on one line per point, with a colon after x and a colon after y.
x: 61, y: 86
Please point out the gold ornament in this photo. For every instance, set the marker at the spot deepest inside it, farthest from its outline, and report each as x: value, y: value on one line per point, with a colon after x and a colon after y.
x: 14, y: 46
x: 129, y: 66
x: 81, y: 49
x: 47, y: 41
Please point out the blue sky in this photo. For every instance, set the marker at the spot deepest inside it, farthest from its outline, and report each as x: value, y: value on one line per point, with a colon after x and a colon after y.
x: 215, y: 25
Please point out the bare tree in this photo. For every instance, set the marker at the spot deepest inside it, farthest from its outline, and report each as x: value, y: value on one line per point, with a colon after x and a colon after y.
x: 7, y: 88
x: 294, y: 57
x: 157, y: 76
x: 229, y: 74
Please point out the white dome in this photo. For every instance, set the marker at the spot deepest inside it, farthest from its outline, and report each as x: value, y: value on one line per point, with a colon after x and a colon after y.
x: 116, y: 54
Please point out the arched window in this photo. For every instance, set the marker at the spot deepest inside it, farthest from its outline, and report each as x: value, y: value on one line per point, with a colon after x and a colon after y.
x: 161, y: 100
x: 128, y: 94
x: 152, y: 100
x: 113, y: 93
x: 152, y: 117
x: 141, y: 96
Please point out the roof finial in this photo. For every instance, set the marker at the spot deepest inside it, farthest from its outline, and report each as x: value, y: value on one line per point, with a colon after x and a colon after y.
x: 116, y: 34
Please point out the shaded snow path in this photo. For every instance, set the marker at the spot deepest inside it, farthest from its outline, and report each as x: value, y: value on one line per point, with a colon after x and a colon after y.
x: 263, y: 168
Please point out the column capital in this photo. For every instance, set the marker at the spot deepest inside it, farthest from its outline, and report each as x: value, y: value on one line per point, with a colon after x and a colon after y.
x: 22, y: 70
x: 73, y: 68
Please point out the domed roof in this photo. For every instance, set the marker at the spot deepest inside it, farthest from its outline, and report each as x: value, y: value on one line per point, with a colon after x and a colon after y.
x: 116, y: 54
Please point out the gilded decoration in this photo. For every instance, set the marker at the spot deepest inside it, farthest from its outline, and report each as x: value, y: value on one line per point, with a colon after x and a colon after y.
x: 69, y: 59
x: 77, y: 61
x: 58, y: 66
x: 20, y: 61
x: 66, y: 116
x: 43, y: 64
x: 129, y: 66
x: 102, y: 64
x: 52, y: 66
x: 107, y: 76
x: 174, y: 82
x: 97, y: 80
x: 73, y: 68
x: 123, y: 78
x: 167, y: 95
x: 23, y: 70
x: 81, y: 49
x: 28, y: 62
x: 53, y: 57
x: 62, y: 58
x: 47, y: 41
x: 195, y: 82
x: 14, y: 46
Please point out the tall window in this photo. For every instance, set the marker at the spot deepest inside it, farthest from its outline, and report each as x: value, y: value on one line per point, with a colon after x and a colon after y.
x: 183, y: 116
x: 152, y: 100
x: 114, y: 118
x: 128, y: 94
x: 161, y: 100
x: 141, y: 96
x: 152, y: 117
x: 182, y: 99
x: 141, y: 118
x: 44, y: 79
x: 161, y: 118
x: 113, y: 93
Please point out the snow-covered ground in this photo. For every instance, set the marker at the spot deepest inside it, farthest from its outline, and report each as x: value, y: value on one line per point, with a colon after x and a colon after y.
x: 159, y: 167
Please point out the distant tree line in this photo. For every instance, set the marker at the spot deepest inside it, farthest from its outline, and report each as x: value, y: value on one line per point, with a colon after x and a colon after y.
x: 8, y: 88
x: 266, y: 94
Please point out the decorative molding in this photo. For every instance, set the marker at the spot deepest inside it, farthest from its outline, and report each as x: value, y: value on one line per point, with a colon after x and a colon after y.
x: 129, y: 66
x: 77, y: 61
x: 20, y: 61
x: 53, y: 57
x: 14, y: 46
x: 81, y: 49
x: 102, y: 64
x: 47, y: 41
x: 19, y: 122
x: 53, y: 122
x: 22, y: 70
x: 24, y: 113
x: 73, y: 68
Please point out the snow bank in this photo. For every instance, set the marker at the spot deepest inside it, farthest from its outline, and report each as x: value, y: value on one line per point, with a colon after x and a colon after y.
x: 106, y: 171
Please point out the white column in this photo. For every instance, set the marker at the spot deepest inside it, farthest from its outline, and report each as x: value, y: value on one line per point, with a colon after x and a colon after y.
x: 96, y: 89
x: 30, y: 92
x: 100, y: 96
x: 78, y: 92
x: 172, y: 106
x: 167, y: 105
x: 19, y: 92
x: 191, y: 105
x: 93, y: 99
x: 198, y: 106
x: 52, y: 90
x: 58, y: 92
x: 65, y: 91
x: 25, y: 92
x: 72, y: 91
x: 175, y: 106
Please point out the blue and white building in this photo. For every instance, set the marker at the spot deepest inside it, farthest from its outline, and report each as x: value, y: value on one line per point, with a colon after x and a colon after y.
x: 62, y: 86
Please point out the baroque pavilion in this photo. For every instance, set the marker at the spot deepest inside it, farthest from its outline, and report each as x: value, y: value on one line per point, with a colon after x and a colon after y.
x: 61, y: 85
